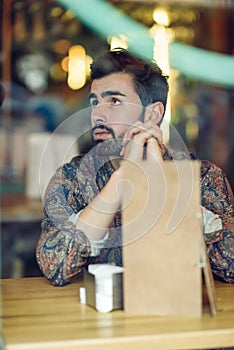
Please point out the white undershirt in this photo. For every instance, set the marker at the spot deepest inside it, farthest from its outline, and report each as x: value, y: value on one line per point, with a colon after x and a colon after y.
x: 211, y: 223
x: 96, y: 246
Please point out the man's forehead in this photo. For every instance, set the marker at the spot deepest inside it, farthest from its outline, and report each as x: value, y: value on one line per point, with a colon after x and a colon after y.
x: 113, y: 82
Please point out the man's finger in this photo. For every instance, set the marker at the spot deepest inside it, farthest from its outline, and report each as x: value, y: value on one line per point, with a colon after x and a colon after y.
x: 153, y: 150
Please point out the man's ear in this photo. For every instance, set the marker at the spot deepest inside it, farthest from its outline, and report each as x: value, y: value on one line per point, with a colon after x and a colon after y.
x: 154, y: 111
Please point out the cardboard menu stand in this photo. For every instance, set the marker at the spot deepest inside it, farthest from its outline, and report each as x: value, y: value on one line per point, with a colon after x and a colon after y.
x: 163, y: 246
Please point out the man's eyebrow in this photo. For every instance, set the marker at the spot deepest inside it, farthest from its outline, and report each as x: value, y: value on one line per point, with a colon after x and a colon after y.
x: 92, y: 95
x: 107, y: 93
x: 111, y: 93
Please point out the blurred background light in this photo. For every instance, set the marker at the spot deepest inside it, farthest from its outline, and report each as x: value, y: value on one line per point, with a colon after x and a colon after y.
x: 76, y: 67
x: 56, y: 11
x: 64, y: 64
x: 110, y: 22
x: 61, y: 46
x: 120, y: 41
x: 57, y: 73
x: 67, y: 16
x: 161, y: 56
x: 161, y: 16
x: 189, y: 60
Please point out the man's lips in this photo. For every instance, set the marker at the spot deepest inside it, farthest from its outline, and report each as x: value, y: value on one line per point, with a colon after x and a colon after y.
x: 101, y: 132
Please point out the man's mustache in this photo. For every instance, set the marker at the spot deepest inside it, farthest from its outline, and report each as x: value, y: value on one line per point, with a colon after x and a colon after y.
x: 104, y: 127
x: 109, y: 147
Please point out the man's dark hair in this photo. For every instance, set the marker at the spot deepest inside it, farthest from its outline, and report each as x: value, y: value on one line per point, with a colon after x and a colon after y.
x: 150, y: 83
x: 2, y: 94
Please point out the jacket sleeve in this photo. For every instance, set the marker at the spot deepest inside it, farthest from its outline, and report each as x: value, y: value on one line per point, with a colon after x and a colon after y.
x: 217, y: 197
x: 62, y: 250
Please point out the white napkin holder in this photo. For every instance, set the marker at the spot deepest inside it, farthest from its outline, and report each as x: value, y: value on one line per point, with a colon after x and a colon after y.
x: 103, y: 287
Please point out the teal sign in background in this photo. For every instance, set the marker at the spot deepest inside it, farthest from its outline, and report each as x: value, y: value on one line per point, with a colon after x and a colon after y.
x: 106, y: 20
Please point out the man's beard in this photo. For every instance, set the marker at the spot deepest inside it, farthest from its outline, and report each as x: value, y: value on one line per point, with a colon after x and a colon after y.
x: 110, y: 147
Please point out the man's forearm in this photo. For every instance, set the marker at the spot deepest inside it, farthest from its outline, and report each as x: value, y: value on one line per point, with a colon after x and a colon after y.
x: 61, y: 252
x: 96, y: 218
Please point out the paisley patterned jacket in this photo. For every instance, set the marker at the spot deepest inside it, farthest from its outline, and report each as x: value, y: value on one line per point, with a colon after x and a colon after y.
x: 62, y: 250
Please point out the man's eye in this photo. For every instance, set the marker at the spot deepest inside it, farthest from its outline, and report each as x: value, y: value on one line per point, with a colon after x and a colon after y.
x: 115, y: 101
x: 94, y: 103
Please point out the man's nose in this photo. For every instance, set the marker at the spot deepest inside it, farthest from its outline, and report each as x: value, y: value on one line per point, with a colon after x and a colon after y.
x: 99, y: 116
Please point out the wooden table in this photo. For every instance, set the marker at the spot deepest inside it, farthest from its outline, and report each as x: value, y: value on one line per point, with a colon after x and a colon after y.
x: 37, y: 315
x: 16, y: 207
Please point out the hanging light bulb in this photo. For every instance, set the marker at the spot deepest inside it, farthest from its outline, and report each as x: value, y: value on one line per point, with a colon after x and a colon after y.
x: 161, y: 16
x: 116, y: 42
x: 161, y: 55
x: 76, y: 67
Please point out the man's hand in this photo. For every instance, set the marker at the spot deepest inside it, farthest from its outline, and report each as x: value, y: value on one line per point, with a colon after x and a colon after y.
x: 97, y: 216
x: 143, y: 140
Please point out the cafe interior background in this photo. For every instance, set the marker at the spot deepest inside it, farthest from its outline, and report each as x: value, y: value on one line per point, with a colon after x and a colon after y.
x: 45, y: 44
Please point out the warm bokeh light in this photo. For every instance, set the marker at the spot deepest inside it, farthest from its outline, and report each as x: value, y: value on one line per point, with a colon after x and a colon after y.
x: 120, y: 41
x: 61, y: 46
x: 161, y: 42
x: 161, y: 55
x: 56, y: 11
x: 64, y: 63
x: 67, y: 16
x: 76, y: 67
x: 57, y: 73
x: 77, y: 51
x: 160, y: 16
